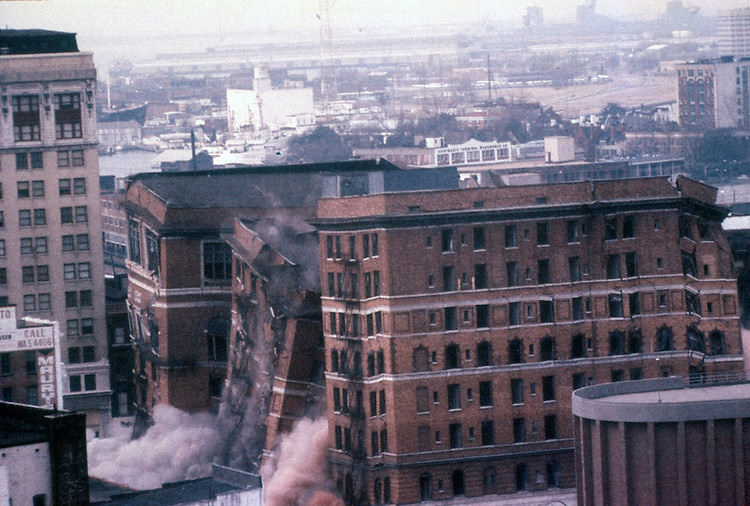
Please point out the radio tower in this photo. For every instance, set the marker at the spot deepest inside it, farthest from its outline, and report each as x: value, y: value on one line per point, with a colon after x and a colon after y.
x: 328, y: 72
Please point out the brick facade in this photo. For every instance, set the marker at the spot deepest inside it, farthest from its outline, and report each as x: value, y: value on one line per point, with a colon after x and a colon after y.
x: 473, y: 314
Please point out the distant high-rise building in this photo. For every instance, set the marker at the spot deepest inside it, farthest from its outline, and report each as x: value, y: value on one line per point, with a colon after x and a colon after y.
x: 51, y: 261
x: 714, y: 93
x: 733, y: 32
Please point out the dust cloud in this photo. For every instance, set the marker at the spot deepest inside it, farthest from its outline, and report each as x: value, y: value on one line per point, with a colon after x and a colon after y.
x: 177, y: 446
x: 298, y: 474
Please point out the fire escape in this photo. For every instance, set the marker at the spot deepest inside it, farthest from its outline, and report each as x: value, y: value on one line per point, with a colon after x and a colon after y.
x: 355, y: 489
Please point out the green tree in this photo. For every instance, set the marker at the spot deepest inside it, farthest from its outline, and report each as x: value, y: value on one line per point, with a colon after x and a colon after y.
x: 320, y: 145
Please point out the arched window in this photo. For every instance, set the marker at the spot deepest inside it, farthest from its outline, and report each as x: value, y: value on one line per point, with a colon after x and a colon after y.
x: 425, y: 487
x: 716, y: 338
x: 635, y: 341
x: 217, y: 332
x: 457, y: 480
x: 547, y: 349
x: 578, y: 346
x: 553, y: 474
x: 616, y: 343
x: 484, y: 354
x: 515, y: 351
x: 420, y: 359
x: 452, y: 357
x: 695, y: 341
x: 664, y: 340
x: 334, y: 360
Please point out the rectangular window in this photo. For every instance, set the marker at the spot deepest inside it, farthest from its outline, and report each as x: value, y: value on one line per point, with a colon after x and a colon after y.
x: 76, y: 158
x: 329, y: 246
x: 550, y: 427
x: 572, y: 227
x: 66, y: 215
x: 375, y: 246
x: 450, y: 318
x: 29, y: 302
x: 68, y: 116
x: 516, y: 390
x: 613, y: 266
x: 381, y: 403
x: 423, y: 399
x: 152, y: 252
x: 548, y: 388
x: 449, y: 278
x: 519, y: 430
x: 85, y: 298
x: 2, y: 247
x: 514, y: 313
x: 483, y: 316
x: 631, y: 264
x: 37, y: 189
x: 628, y: 227
x: 36, y: 160
x: 511, y: 241
x: 543, y: 273
x: 479, y: 240
x: 485, y: 393
x: 455, y: 431
x: 3, y: 276
x: 69, y: 272
x: 384, y: 441
x: 373, y: 403
x: 89, y: 382
x: 511, y: 269
x: 5, y: 367
x: 615, y: 305
x: 22, y: 188
x: 542, y: 238
x: 480, y: 277
x: 579, y: 380
x: 27, y: 274
x: 27, y: 247
x: 89, y: 354
x: 64, y: 186
x: 40, y: 217
x: 574, y: 267
x: 84, y: 270
x: 378, y: 322
x: 577, y: 304
x: 82, y: 242
x: 26, y: 118
x: 75, y: 383
x: 81, y: 214
x: 217, y: 262
x: 24, y: 217
x: 446, y: 236
x: 634, y: 304
x: 42, y: 273
x: 610, y: 229
x: 374, y: 443
x: 71, y: 299
x: 22, y: 161
x: 68, y: 243
x: 376, y: 283
x: 546, y: 311
x: 454, y: 396
x: 63, y: 158
x: 365, y: 245
x: 71, y: 328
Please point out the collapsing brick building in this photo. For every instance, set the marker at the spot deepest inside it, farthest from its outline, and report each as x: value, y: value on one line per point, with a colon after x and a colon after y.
x: 457, y: 324
x: 275, y: 368
x: 223, y: 279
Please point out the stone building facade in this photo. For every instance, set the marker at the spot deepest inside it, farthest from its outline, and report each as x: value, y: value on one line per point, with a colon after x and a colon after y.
x: 51, y: 262
x: 458, y: 323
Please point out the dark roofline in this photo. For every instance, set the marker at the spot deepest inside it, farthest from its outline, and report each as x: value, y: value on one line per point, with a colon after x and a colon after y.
x: 341, y: 166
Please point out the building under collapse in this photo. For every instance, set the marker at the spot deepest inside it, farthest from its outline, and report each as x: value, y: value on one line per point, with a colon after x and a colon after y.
x: 223, y: 279
x: 457, y: 324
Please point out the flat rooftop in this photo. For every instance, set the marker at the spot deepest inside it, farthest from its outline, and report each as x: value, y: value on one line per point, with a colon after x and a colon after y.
x: 686, y: 395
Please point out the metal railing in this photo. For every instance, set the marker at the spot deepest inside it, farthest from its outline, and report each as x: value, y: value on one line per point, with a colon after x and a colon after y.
x: 715, y: 378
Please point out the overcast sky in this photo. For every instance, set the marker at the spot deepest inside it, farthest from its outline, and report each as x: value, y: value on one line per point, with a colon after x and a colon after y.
x: 96, y: 21
x: 122, y: 17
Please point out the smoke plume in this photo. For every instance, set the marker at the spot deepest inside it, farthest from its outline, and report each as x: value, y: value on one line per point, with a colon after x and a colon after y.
x: 298, y: 475
x: 178, y: 446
